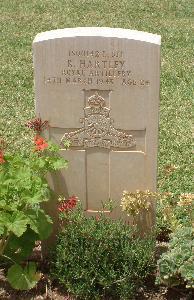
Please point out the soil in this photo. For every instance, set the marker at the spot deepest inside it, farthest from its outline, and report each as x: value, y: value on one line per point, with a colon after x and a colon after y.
x: 51, y: 290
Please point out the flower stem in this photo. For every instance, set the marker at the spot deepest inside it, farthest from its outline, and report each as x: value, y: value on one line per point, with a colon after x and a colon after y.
x: 5, y: 239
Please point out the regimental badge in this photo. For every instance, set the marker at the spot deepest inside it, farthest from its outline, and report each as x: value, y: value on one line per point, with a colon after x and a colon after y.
x: 98, y: 129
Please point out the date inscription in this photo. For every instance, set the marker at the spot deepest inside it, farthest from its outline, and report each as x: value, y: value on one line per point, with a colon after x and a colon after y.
x: 96, y: 68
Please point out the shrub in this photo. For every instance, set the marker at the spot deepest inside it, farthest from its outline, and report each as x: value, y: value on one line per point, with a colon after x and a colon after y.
x: 176, y: 266
x: 173, y: 211
x: 99, y: 257
x: 23, y: 188
x: 136, y: 202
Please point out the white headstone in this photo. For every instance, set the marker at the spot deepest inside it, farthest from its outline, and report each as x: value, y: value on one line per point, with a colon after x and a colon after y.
x: 99, y: 88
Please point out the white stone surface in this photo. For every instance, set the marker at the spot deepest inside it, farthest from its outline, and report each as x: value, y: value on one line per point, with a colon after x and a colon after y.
x: 108, y: 78
x: 99, y: 31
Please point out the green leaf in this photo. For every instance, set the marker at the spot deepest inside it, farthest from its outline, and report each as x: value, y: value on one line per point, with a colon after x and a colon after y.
x: 4, y: 219
x: 39, y: 196
x: 60, y: 163
x: 39, y: 222
x: 17, y: 223
x: 1, y: 230
x: 23, y: 278
x: 67, y: 144
x: 19, y: 248
x: 53, y: 147
x: 2, y: 204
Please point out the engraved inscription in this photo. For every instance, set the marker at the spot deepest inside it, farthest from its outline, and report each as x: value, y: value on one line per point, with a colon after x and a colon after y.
x: 95, y: 67
x: 103, y: 64
x: 95, y: 53
x: 98, y: 129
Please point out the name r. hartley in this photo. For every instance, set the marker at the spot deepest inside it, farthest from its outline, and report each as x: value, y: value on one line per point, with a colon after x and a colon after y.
x: 97, y: 64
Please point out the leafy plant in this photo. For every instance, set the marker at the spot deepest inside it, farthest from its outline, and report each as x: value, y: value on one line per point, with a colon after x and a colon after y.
x: 23, y: 188
x: 174, y: 210
x: 176, y: 266
x: 135, y: 202
x: 97, y: 257
x: 176, y: 213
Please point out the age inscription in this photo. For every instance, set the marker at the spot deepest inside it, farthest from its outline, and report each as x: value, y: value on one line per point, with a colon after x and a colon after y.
x: 95, y: 67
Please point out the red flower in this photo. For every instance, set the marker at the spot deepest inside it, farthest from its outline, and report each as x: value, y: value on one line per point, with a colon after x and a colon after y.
x: 2, y: 160
x: 67, y: 204
x: 72, y: 201
x: 40, y: 143
x: 37, y: 125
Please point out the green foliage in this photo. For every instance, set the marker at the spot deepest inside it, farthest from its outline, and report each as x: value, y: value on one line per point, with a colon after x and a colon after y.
x: 23, y: 188
x: 15, y: 249
x: 176, y: 266
x: 99, y: 257
x: 174, y: 210
x: 39, y: 222
x: 23, y: 278
x: 175, y: 213
x: 136, y: 202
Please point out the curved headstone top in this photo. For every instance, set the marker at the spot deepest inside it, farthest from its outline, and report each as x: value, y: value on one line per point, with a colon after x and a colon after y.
x: 97, y: 32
